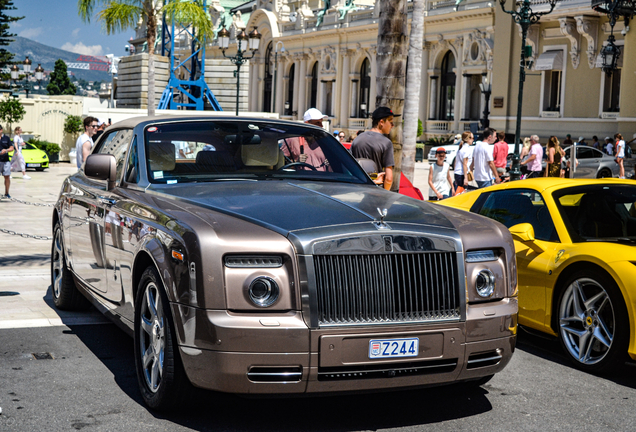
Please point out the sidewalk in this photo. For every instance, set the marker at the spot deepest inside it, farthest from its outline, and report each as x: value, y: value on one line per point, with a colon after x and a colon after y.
x: 25, y: 262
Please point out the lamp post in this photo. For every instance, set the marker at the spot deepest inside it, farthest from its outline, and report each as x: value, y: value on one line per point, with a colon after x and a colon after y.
x: 614, y: 9
x: 523, y: 15
x: 276, y: 71
x: 486, y: 89
x: 243, y: 43
x: 26, y: 69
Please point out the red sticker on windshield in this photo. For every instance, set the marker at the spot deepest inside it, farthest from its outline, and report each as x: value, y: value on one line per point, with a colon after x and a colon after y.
x: 152, y: 129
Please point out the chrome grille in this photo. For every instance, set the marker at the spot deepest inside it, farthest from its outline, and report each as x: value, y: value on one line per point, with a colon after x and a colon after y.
x: 359, y: 289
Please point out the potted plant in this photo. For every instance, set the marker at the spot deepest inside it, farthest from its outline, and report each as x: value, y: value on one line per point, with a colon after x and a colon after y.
x: 53, y: 150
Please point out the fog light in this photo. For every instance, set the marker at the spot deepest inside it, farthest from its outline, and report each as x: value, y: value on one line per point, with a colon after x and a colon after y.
x: 485, y: 283
x: 263, y: 291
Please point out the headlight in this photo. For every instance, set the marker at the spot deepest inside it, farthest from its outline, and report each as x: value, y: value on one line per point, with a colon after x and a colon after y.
x: 485, y: 283
x: 481, y: 256
x: 263, y: 291
x: 249, y: 261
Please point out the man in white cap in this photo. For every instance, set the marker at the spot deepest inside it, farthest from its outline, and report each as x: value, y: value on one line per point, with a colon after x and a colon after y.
x: 101, y: 125
x: 306, y: 150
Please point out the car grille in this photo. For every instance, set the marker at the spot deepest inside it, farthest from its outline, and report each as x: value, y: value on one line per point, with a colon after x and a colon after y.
x: 365, y: 289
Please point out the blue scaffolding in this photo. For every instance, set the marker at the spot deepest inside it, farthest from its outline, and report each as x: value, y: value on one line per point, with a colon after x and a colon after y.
x: 190, y: 93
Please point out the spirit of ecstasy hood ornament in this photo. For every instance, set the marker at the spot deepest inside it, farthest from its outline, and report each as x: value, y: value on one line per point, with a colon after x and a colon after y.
x: 380, y: 224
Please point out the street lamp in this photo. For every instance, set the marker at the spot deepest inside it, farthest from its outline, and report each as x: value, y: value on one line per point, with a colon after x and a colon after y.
x: 614, y: 9
x: 15, y: 74
x: 243, y: 42
x: 523, y: 15
x: 276, y: 70
x: 486, y: 89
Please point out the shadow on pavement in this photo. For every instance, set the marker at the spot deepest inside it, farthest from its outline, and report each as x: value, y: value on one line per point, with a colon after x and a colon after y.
x: 549, y: 348
x: 32, y: 259
x: 207, y: 411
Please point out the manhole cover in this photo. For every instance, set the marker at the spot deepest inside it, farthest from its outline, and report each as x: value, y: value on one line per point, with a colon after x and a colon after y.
x: 42, y: 356
x: 8, y: 293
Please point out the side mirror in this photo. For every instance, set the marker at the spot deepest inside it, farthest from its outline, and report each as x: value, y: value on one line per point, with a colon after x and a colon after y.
x: 522, y: 232
x: 101, y: 167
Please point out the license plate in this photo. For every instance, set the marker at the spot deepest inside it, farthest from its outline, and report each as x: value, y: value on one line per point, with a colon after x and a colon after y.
x: 33, y: 165
x: 389, y: 348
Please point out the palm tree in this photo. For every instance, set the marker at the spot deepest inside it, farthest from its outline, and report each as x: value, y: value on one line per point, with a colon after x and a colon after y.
x: 412, y: 97
x: 391, y: 66
x: 121, y: 15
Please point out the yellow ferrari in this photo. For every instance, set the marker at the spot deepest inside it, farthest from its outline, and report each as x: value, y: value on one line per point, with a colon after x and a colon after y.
x: 575, y: 243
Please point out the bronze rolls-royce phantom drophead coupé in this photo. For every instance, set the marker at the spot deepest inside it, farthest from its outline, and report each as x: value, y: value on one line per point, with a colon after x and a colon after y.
x: 256, y: 256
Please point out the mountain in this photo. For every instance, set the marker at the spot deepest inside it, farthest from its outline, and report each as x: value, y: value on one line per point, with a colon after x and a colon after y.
x: 46, y: 56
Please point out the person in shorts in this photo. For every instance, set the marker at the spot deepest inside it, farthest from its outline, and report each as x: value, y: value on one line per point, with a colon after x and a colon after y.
x: 500, y: 153
x: 439, y: 178
x: 5, y: 165
x: 375, y: 145
x: 620, y: 154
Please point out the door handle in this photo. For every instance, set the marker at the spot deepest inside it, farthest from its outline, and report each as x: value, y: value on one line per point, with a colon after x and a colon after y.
x: 107, y: 201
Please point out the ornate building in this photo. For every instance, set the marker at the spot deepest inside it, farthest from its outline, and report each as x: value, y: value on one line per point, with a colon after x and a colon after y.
x: 332, y: 67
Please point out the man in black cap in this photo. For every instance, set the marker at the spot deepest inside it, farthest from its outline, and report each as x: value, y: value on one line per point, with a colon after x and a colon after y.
x: 375, y: 145
x: 5, y: 166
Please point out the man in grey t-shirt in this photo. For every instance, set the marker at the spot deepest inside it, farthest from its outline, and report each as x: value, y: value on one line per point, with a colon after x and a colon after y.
x: 374, y: 145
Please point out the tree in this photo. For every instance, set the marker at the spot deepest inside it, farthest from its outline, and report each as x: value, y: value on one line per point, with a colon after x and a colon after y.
x: 391, y: 64
x: 59, y: 82
x: 121, y: 15
x: 73, y: 125
x: 412, y: 96
x: 5, y: 37
x: 11, y: 111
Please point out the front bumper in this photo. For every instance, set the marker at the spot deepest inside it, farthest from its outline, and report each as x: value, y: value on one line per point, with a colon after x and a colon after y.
x: 265, y: 354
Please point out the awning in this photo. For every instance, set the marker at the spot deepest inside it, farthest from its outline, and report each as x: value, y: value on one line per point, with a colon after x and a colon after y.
x: 550, y: 60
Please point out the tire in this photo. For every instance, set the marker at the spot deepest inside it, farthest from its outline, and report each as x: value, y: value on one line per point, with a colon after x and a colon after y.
x: 593, y: 324
x: 66, y: 296
x: 162, y: 380
x: 604, y: 173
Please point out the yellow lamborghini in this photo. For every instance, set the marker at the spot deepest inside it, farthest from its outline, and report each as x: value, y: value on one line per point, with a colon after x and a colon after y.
x: 575, y: 242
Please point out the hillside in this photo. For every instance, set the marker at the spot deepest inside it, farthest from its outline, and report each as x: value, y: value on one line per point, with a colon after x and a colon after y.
x: 46, y: 56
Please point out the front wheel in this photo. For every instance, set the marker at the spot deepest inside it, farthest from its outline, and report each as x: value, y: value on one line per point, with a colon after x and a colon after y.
x: 160, y: 375
x: 65, y: 294
x: 593, y: 322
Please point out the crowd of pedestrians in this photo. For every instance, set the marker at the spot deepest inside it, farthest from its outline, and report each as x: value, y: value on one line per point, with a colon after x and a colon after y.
x: 477, y: 165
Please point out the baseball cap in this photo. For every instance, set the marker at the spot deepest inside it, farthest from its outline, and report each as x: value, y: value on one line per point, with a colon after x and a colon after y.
x: 336, y: 132
x: 440, y: 150
x: 100, y: 122
x: 606, y: 138
x: 581, y: 139
x: 383, y: 112
x: 313, y: 114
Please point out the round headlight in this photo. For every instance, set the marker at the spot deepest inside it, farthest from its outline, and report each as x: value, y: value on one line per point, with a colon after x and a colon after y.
x: 485, y: 283
x: 263, y: 291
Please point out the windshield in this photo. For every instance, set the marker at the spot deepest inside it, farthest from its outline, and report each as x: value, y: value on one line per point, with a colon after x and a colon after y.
x: 238, y: 150
x: 599, y: 212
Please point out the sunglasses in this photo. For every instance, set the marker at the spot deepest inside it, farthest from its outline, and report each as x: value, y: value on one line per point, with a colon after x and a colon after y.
x: 94, y: 126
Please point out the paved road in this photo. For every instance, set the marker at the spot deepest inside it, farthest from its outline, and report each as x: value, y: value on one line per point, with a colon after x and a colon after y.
x: 85, y: 379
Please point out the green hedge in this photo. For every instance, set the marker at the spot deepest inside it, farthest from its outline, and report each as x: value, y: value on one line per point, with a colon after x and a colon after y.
x: 48, y: 147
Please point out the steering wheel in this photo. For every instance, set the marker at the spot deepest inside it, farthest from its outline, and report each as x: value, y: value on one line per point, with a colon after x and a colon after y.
x: 289, y: 165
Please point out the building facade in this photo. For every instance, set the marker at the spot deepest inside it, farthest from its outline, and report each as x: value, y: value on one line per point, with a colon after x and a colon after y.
x: 332, y: 67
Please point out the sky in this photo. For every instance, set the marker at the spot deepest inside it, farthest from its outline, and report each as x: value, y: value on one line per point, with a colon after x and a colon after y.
x: 56, y: 23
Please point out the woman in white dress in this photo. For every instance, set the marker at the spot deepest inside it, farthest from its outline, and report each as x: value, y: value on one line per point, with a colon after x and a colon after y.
x: 17, y: 161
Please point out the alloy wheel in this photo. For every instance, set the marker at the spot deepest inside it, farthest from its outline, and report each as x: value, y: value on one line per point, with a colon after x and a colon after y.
x: 57, y: 263
x: 152, y: 337
x: 587, y: 321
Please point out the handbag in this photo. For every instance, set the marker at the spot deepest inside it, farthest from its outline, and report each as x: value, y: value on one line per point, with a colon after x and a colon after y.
x: 469, y: 176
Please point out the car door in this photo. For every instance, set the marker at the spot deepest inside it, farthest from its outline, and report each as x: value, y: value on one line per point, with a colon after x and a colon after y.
x: 86, y: 233
x: 116, y: 222
x: 535, y: 259
x: 588, y: 162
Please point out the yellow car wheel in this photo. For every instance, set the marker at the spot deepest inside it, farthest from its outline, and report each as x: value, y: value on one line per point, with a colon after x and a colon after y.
x: 593, y: 322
